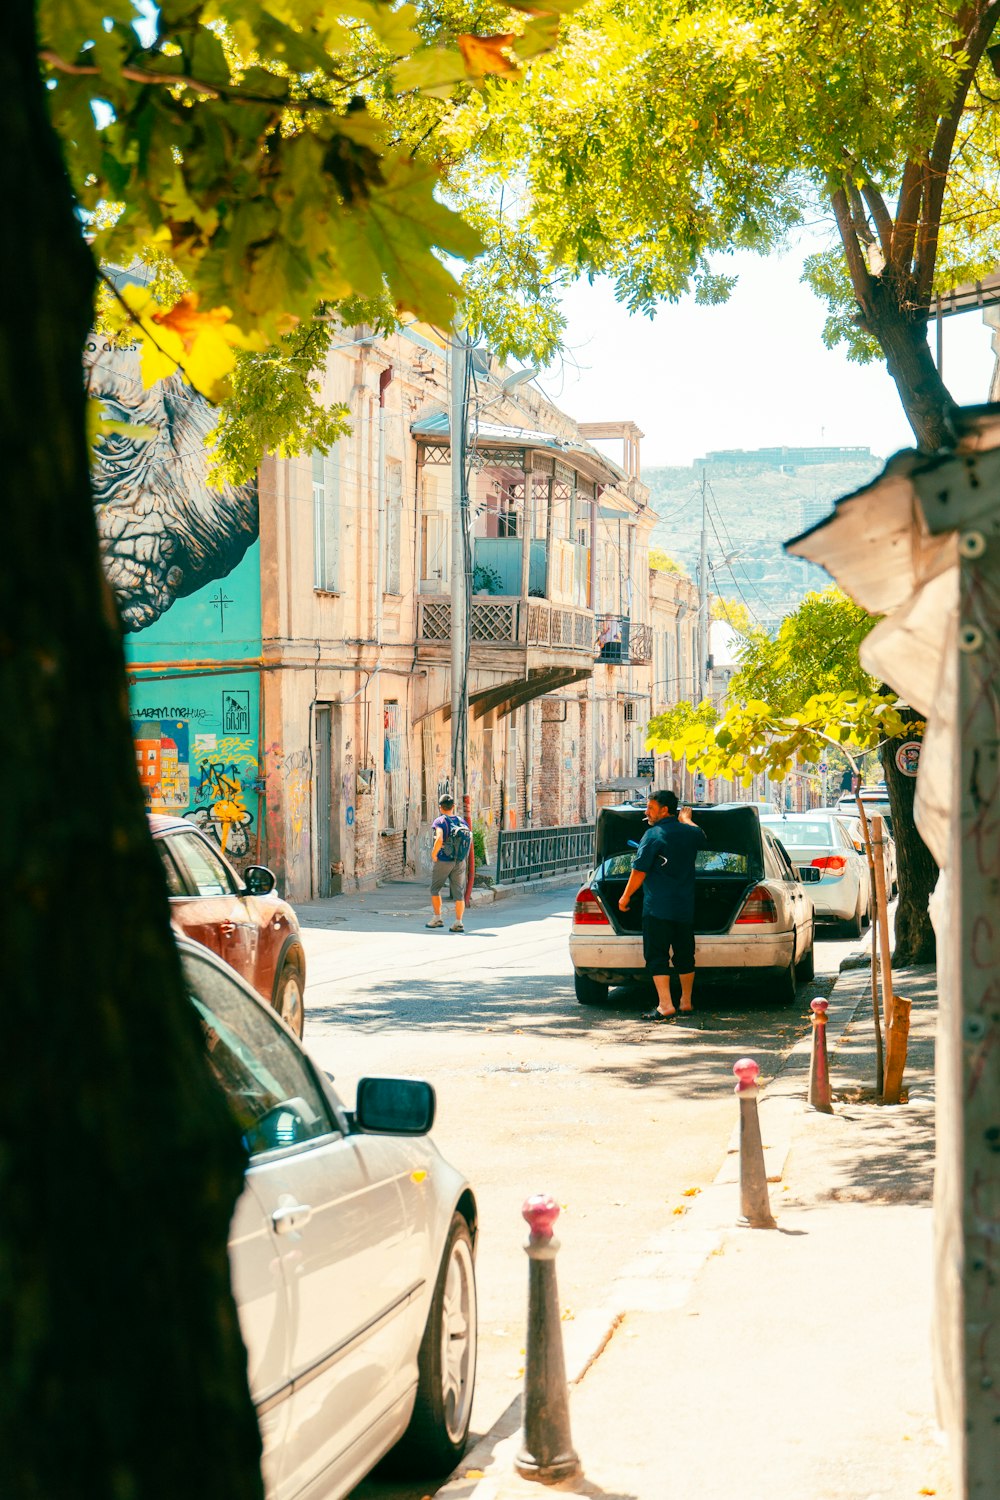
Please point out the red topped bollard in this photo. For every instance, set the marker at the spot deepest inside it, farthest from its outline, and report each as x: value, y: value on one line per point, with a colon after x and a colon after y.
x: 755, y: 1206
x: 547, y: 1453
x: 820, y: 1094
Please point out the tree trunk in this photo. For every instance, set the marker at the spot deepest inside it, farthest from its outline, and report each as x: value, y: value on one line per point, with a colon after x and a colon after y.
x: 122, y: 1371
x: 925, y: 398
x: 917, y: 869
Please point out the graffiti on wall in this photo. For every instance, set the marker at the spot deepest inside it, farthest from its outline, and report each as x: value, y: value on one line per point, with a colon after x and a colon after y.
x: 227, y: 773
x: 164, y: 532
x: 168, y: 539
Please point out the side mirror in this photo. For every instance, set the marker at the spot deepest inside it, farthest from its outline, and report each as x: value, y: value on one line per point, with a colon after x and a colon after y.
x: 258, y: 881
x: 395, y: 1106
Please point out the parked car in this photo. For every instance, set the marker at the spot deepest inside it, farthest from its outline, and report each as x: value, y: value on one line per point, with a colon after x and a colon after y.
x: 856, y: 834
x: 242, y: 919
x: 819, y: 840
x: 874, y: 799
x: 752, y: 915
x: 352, y: 1250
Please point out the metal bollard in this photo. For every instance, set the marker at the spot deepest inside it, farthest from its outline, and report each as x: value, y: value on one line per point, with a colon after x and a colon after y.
x: 755, y: 1206
x: 547, y: 1453
x: 820, y: 1096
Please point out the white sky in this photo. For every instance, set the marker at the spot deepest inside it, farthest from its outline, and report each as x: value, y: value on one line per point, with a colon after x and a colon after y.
x: 748, y: 374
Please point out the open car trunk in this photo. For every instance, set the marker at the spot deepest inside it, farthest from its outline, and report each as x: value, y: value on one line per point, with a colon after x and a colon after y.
x: 730, y: 865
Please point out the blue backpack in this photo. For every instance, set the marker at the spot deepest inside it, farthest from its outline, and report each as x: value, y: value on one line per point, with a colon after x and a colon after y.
x: 458, y: 841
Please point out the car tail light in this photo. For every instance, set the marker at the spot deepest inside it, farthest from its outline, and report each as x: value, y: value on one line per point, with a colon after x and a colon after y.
x: 588, y: 911
x: 758, y: 907
x: 831, y: 864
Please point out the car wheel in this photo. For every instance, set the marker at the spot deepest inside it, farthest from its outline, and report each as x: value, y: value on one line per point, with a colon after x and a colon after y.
x: 435, y: 1439
x: 288, y: 998
x: 807, y: 966
x: 589, y: 992
x: 852, y: 926
x: 785, y: 985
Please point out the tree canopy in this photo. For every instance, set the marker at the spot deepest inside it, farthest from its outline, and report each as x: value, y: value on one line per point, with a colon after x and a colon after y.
x: 662, y: 135
x: 814, y: 651
x: 262, y: 160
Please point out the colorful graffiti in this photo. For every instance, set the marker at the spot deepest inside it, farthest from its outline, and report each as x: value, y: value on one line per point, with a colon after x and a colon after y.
x: 228, y: 770
x: 163, y: 761
x: 169, y: 538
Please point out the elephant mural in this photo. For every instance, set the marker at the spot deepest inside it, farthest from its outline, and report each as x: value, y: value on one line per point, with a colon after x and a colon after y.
x: 164, y: 532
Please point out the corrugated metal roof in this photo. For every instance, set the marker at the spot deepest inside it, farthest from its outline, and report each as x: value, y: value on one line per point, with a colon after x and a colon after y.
x: 437, y: 427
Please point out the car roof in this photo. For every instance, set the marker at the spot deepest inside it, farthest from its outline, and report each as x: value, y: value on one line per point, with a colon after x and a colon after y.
x: 164, y: 823
x: 820, y: 812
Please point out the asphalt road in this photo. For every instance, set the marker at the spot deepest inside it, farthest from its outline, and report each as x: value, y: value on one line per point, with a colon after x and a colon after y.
x: 615, y: 1118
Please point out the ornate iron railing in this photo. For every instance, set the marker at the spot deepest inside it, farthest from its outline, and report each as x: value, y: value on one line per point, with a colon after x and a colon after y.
x: 531, y: 853
x: 622, y: 639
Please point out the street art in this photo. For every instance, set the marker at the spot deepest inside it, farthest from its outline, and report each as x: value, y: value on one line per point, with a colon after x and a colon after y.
x: 219, y: 807
x: 164, y: 532
x: 162, y: 753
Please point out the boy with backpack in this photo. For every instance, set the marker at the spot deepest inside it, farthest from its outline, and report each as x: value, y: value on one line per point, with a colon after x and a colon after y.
x: 452, y: 842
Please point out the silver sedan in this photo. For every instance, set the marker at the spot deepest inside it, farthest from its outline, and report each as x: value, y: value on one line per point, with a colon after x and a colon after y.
x: 352, y: 1253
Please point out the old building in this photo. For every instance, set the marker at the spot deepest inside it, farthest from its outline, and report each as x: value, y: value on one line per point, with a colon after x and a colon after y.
x: 290, y: 641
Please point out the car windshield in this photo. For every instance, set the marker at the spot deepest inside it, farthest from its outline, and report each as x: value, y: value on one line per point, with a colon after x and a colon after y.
x: 707, y: 862
x: 818, y: 831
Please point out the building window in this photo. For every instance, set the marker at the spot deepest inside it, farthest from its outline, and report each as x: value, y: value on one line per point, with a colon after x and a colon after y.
x: 393, y: 524
x: 629, y: 707
x: 394, y: 810
x: 326, y: 518
x: 434, y: 534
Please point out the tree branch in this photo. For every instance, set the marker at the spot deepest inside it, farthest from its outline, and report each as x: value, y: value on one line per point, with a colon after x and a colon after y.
x: 983, y: 25
x: 224, y: 92
x: 904, y: 235
x: 860, y: 275
x: 880, y: 214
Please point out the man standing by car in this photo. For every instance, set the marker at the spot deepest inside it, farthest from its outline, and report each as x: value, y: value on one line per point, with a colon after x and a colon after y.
x: 664, y: 866
x: 452, y: 841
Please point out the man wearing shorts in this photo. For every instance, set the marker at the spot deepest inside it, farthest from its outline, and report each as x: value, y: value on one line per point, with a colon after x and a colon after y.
x: 664, y: 866
x: 446, y: 871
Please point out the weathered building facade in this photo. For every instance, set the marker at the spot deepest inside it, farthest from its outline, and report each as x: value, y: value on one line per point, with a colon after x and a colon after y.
x: 290, y: 642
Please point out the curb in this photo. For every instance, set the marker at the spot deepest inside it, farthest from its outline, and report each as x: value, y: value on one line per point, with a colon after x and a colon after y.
x: 662, y: 1273
x: 485, y: 895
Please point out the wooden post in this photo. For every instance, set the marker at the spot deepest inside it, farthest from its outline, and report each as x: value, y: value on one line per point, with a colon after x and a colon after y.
x: 883, y: 922
x: 526, y: 508
x: 866, y: 834
x: 895, y: 1056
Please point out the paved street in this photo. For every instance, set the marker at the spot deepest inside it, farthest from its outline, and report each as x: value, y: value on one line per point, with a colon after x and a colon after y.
x: 535, y: 1093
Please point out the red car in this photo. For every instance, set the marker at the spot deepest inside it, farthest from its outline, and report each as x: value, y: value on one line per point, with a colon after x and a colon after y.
x: 243, y: 920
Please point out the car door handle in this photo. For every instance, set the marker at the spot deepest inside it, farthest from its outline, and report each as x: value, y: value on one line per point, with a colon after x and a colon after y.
x: 294, y: 1216
x: 227, y: 928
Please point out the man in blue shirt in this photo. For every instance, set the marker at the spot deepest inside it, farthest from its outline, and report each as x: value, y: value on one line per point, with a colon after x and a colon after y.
x: 664, y: 865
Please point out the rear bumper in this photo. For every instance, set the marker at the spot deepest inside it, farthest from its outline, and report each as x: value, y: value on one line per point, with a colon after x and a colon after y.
x: 612, y: 956
x: 834, y: 900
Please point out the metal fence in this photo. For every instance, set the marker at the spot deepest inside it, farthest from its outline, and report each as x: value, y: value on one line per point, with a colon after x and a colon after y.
x: 530, y: 853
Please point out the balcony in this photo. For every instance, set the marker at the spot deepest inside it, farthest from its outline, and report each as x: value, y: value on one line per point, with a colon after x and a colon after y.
x: 622, y: 641
x: 538, y: 645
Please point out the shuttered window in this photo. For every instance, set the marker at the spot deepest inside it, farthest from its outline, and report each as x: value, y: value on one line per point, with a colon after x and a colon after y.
x: 326, y: 519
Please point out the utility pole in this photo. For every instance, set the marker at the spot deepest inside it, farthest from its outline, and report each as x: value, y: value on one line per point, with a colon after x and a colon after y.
x: 703, y: 597
x: 459, y: 565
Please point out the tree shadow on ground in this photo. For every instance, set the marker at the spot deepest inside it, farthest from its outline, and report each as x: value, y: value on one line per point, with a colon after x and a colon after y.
x: 694, y: 1057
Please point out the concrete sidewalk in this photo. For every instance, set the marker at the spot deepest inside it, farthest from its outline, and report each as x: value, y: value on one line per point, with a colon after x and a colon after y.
x: 411, y: 898
x: 791, y: 1363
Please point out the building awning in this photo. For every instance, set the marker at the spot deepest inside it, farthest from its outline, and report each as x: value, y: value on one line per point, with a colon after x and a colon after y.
x: 435, y: 428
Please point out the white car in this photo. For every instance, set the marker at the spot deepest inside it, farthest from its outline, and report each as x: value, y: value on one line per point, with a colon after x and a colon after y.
x: 352, y: 1254
x: 819, y: 841
x: 753, y: 918
x: 856, y: 834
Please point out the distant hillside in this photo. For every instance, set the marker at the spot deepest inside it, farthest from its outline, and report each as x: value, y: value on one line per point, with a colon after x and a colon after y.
x: 753, y: 507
